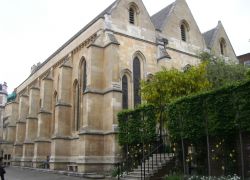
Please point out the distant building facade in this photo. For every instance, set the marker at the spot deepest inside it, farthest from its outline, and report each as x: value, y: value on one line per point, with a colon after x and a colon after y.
x: 244, y: 59
x: 3, y: 121
x: 66, y: 110
x: 3, y: 101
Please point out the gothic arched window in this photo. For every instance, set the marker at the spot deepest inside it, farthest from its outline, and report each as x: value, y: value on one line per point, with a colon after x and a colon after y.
x: 54, y: 101
x: 133, y: 12
x: 183, y: 33
x: 131, y: 15
x: 84, y: 75
x: 222, y: 46
x: 124, y: 92
x: 184, y: 28
x: 137, y: 79
x: 76, y: 106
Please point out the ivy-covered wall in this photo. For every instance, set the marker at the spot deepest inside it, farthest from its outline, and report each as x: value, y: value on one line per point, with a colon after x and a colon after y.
x: 221, y: 112
x: 212, y: 121
x: 137, y: 126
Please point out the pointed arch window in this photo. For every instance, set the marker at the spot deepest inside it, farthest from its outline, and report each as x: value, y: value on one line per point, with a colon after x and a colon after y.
x: 131, y: 15
x: 124, y: 92
x: 222, y: 46
x: 183, y: 33
x: 184, y: 28
x: 83, y: 75
x: 76, y: 106
x: 54, y: 101
x: 136, y: 79
x: 84, y: 83
x: 133, y: 12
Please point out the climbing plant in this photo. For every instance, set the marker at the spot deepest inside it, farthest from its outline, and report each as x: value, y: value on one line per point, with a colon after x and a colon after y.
x: 215, y: 120
x: 226, y: 110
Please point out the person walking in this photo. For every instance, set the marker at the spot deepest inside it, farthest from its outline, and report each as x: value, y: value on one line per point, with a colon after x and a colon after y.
x: 2, y: 170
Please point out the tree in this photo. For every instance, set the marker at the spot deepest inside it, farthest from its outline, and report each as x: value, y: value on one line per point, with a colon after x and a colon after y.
x: 221, y: 72
x: 168, y: 85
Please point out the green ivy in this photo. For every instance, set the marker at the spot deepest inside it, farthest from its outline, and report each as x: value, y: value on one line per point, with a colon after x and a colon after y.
x: 137, y: 126
x: 222, y: 112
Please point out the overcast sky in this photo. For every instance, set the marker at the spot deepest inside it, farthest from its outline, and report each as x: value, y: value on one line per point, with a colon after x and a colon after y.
x: 31, y: 30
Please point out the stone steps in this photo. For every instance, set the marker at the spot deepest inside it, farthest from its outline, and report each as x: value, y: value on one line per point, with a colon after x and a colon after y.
x: 149, y: 171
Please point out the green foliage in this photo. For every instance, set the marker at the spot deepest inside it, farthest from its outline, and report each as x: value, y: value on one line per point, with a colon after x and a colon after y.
x: 167, y: 85
x: 226, y: 111
x: 221, y: 72
x: 136, y: 126
x: 137, y: 130
x: 174, y: 177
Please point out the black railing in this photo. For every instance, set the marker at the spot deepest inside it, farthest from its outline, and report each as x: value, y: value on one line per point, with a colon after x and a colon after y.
x: 152, y: 156
x: 148, y: 145
x: 157, y: 150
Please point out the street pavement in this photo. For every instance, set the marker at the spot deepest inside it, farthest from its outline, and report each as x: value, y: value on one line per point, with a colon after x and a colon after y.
x: 16, y: 173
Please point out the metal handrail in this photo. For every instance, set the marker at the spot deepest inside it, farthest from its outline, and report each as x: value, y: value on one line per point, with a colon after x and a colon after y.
x: 151, y: 154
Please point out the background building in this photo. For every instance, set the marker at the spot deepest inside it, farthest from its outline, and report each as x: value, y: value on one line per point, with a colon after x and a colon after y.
x: 3, y: 101
x: 66, y: 109
x: 244, y: 59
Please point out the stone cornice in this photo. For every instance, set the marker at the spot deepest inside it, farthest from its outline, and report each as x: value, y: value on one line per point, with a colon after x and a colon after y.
x: 63, y: 104
x: 32, y: 118
x: 44, y: 112
x: 35, y: 88
x: 96, y: 132
x: 20, y: 122
x: 86, y: 43
x: 28, y: 142
x: 176, y: 50
x: 60, y: 137
x: 42, y: 140
x: 102, y: 92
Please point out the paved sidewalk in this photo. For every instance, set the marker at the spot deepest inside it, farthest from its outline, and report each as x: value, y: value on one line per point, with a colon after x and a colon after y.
x: 16, y: 173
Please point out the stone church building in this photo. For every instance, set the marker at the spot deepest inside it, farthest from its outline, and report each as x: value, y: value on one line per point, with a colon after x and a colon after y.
x: 65, y: 111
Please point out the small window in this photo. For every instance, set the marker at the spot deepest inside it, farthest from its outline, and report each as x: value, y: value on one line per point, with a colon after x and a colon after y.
x: 222, y: 46
x: 137, y: 79
x: 183, y: 33
x: 131, y: 15
x: 124, y: 92
x: 184, y: 29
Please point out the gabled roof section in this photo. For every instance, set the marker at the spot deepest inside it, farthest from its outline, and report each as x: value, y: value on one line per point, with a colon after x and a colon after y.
x: 101, y: 15
x: 159, y: 18
x: 209, y: 36
x: 213, y: 36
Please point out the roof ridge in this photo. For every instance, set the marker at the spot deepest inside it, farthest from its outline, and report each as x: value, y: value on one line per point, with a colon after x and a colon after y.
x: 208, y: 36
x: 159, y: 17
x: 101, y: 15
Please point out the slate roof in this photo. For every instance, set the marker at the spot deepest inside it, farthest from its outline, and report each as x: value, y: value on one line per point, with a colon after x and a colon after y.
x: 208, y: 37
x: 159, y: 18
x: 101, y: 15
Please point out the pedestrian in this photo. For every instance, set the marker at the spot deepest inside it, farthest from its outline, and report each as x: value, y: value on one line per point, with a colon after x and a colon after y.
x: 2, y: 171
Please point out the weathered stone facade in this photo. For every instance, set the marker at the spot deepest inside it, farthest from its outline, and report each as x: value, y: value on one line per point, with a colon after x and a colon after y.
x: 66, y: 109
